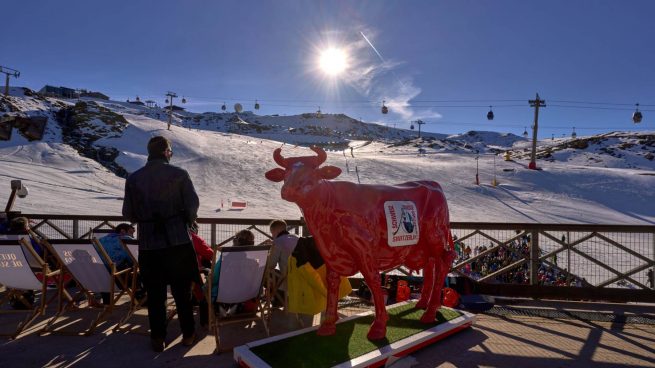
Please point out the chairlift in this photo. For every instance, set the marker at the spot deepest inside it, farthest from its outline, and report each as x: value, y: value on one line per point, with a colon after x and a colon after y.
x: 183, y: 100
x: 411, y: 126
x: 256, y: 105
x: 385, y: 110
x: 166, y: 100
x: 525, y: 132
x: 318, y: 112
x: 573, y: 135
x: 223, y: 107
x: 137, y: 98
x: 490, y: 114
x: 636, y: 116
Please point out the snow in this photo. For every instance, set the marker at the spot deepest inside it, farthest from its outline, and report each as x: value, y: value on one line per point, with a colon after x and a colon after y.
x: 225, y: 163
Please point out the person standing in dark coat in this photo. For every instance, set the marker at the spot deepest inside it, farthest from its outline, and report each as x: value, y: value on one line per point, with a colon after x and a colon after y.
x: 161, y: 199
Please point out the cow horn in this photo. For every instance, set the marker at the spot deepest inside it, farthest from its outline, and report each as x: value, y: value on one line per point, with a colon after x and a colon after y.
x: 277, y: 156
x: 322, y: 156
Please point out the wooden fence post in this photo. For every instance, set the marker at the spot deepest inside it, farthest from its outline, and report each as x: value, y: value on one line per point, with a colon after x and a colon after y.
x: 213, y: 234
x: 534, y: 257
x: 76, y: 229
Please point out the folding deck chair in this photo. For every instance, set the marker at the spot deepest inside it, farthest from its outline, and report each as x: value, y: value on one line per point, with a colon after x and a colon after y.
x: 92, y: 269
x: 19, y: 264
x: 242, y: 277
x: 132, y: 248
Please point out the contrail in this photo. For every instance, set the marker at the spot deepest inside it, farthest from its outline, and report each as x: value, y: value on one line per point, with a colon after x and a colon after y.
x: 373, y: 47
x: 381, y: 58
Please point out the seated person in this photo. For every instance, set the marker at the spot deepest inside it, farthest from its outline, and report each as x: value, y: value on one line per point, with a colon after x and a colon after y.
x: 204, y: 254
x: 242, y: 238
x: 21, y: 226
x: 113, y: 246
x: 203, y: 251
x: 305, y: 285
x: 284, y: 244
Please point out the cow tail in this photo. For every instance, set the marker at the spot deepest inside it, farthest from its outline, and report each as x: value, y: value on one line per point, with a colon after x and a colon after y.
x: 451, y: 248
x: 451, y: 243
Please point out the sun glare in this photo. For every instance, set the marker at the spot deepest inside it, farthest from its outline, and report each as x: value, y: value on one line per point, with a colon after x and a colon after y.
x: 333, y: 61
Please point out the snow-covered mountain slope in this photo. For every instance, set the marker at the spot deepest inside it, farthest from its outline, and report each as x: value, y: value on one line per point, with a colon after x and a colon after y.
x: 227, y: 163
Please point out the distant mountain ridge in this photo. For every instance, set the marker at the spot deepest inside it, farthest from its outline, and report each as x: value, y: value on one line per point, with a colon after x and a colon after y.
x: 82, y: 123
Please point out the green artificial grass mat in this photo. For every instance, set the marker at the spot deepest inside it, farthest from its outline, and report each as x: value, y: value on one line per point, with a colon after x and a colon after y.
x: 311, y: 350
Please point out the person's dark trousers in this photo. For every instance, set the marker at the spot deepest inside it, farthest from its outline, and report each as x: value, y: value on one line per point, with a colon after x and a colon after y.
x: 175, y: 266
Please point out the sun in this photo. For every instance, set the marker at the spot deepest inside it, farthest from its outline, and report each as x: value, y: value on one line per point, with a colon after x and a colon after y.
x: 333, y: 61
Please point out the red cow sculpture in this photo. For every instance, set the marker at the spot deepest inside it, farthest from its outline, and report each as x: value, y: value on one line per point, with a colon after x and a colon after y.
x: 369, y: 229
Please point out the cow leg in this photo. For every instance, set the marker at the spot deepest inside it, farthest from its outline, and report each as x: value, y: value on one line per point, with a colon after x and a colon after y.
x: 441, y: 269
x: 428, y: 284
x: 378, y: 328
x: 328, y: 327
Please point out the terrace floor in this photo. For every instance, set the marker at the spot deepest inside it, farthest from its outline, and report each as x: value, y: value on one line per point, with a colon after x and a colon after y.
x: 515, y: 333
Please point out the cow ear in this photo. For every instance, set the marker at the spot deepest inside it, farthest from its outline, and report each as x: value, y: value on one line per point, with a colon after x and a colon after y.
x: 329, y: 172
x: 275, y: 175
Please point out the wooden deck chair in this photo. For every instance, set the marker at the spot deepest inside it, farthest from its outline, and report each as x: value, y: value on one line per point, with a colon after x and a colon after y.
x: 242, y: 277
x: 132, y: 248
x: 92, y: 269
x: 33, y: 261
x: 19, y: 264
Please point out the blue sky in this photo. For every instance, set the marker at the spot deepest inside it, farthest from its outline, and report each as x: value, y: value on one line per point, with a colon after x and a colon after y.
x: 443, y: 62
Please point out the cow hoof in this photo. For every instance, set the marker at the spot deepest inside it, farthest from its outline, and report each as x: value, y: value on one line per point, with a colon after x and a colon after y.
x: 327, y: 330
x: 376, y: 334
x: 428, y: 317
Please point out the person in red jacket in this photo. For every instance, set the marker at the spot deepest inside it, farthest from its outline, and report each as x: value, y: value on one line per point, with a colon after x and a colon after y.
x: 204, y: 254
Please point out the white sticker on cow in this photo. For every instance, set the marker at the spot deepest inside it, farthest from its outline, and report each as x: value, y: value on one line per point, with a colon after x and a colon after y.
x: 402, y: 223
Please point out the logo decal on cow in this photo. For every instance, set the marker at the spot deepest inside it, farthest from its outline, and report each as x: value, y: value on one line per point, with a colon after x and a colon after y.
x: 402, y: 223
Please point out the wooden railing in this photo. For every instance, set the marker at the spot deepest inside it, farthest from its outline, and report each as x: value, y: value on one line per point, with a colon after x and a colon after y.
x: 533, y: 260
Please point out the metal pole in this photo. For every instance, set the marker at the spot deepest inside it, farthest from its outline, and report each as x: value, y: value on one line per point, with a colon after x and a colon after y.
x: 12, y: 198
x: 477, y: 171
x: 170, y: 113
x: 536, y: 103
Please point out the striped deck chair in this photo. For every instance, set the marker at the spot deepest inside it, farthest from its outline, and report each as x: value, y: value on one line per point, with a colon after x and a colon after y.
x: 19, y: 266
x: 92, y: 269
x: 242, y: 277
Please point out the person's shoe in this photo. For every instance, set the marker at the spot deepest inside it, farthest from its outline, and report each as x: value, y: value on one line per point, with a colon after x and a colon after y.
x: 157, y: 344
x: 189, y: 340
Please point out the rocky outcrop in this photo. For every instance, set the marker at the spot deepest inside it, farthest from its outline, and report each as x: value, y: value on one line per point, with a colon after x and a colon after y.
x: 86, y: 122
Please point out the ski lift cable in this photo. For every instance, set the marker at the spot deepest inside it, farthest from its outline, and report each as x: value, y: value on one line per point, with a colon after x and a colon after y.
x: 599, y: 108
x: 417, y: 103
x: 598, y: 103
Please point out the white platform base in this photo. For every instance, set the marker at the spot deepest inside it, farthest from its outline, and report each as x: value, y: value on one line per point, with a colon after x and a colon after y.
x: 376, y: 358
